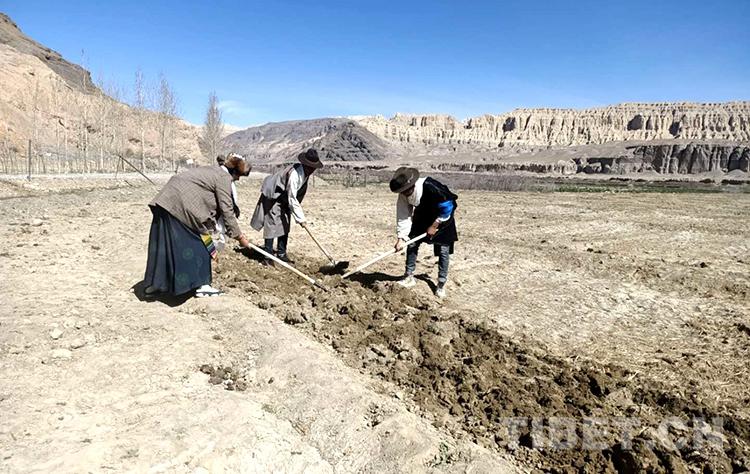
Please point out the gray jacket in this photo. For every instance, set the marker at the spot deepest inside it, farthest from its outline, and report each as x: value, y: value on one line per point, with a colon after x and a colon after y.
x: 198, y: 197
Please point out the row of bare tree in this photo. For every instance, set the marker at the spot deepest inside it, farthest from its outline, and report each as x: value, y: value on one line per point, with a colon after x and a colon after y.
x: 91, y: 129
x: 88, y: 129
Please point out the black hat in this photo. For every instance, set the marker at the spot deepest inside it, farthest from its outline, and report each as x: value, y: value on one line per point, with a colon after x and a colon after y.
x: 403, y: 179
x: 310, y: 158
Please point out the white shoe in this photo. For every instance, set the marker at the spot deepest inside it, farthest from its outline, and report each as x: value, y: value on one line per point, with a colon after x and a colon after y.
x: 440, y: 292
x: 207, y: 290
x: 407, y: 281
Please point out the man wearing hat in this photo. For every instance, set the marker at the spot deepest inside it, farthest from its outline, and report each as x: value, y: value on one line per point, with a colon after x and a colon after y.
x: 281, y: 197
x: 424, y: 205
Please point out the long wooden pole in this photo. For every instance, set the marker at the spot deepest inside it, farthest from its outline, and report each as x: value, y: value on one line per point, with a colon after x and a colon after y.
x: 310, y: 280
x: 385, y: 255
x: 322, y: 249
x: 139, y: 171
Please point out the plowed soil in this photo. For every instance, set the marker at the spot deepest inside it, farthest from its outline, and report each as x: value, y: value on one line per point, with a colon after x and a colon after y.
x: 468, y: 378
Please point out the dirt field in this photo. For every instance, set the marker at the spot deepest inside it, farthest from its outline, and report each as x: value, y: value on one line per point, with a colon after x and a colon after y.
x: 573, y: 308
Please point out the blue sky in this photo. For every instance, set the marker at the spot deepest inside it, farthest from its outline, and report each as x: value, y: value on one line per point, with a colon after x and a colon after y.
x: 284, y: 60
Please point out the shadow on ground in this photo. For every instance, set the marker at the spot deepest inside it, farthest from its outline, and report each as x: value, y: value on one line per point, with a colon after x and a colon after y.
x: 426, y: 278
x: 139, y: 289
x: 369, y: 280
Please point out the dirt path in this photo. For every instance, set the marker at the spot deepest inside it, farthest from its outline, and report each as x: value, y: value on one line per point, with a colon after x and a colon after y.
x: 559, y: 305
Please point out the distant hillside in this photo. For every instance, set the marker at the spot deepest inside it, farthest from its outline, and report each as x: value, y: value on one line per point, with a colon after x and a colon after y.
x: 336, y: 139
x: 621, y: 139
x: 664, y: 138
x: 74, y: 75
x: 530, y: 129
x: 74, y: 125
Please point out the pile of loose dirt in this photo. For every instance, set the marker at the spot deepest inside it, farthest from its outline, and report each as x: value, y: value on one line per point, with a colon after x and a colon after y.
x: 227, y: 377
x: 505, y: 394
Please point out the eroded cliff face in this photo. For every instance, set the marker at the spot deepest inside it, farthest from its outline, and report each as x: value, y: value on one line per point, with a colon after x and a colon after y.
x: 691, y: 158
x: 541, y: 128
x: 622, y: 158
x: 565, y: 167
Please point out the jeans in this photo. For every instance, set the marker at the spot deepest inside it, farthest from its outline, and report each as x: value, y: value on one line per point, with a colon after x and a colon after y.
x: 444, y: 256
x: 280, y: 245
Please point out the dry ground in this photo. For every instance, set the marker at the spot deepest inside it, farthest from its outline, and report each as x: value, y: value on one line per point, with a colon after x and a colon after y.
x: 646, y: 293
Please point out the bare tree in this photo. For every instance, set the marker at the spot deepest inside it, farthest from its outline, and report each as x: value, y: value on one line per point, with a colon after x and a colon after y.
x: 84, y: 112
x: 7, y: 164
x: 167, y: 116
x: 65, y: 122
x: 140, y: 107
x: 102, y: 124
x: 35, y: 106
x: 117, y: 116
x: 57, y: 116
x: 213, y: 127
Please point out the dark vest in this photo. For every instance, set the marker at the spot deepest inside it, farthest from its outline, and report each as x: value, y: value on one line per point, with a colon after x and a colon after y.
x: 274, y: 187
x: 433, y: 193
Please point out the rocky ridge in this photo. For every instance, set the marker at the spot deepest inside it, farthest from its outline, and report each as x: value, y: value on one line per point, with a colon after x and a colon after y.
x: 532, y: 129
x: 688, y: 158
x: 620, y: 158
x: 73, y: 74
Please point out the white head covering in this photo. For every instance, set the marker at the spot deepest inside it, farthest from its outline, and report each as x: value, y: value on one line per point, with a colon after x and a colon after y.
x: 415, y: 197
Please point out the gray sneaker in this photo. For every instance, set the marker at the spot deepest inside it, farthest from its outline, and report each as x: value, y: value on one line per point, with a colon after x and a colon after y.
x: 407, y: 282
x: 440, y: 292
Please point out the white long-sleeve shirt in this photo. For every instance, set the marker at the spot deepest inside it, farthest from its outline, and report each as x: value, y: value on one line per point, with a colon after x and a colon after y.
x: 297, y: 178
x: 219, y: 237
x: 234, y: 187
x: 405, y: 209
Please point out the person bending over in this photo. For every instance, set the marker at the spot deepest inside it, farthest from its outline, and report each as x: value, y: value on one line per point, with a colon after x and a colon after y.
x: 424, y: 205
x: 186, y: 211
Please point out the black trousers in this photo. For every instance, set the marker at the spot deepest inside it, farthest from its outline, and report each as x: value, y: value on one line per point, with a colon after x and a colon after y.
x: 281, y: 243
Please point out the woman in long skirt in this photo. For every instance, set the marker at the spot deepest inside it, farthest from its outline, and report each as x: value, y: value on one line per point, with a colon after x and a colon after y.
x: 185, y: 213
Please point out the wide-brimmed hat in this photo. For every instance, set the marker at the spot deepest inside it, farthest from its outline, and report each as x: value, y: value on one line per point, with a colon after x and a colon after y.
x: 238, y: 163
x: 310, y: 158
x: 403, y: 179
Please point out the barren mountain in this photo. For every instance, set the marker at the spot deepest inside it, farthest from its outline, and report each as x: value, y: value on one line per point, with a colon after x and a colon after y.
x: 74, y: 75
x: 337, y: 140
x: 72, y: 123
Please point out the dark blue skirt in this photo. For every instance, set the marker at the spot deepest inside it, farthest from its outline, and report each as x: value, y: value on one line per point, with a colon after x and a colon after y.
x: 178, y: 261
